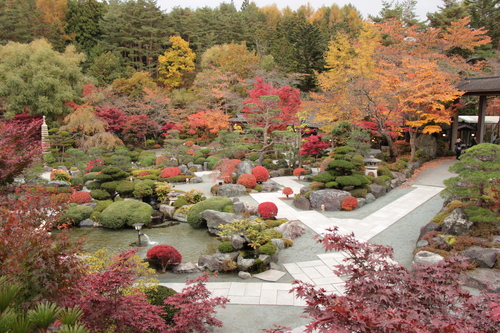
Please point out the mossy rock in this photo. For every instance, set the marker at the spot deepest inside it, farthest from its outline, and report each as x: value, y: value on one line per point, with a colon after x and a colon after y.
x: 125, y: 213
x: 217, y: 203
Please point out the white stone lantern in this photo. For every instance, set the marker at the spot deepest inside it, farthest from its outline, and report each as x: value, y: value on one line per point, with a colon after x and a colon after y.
x: 371, y: 165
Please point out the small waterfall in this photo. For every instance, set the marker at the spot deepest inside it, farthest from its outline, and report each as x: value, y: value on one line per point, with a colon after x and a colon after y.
x: 149, y: 240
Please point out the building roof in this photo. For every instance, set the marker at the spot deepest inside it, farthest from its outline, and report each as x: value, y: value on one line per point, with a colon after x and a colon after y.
x: 486, y: 86
x: 474, y: 119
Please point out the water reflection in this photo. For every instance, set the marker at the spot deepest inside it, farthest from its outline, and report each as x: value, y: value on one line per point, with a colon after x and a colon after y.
x: 191, y: 243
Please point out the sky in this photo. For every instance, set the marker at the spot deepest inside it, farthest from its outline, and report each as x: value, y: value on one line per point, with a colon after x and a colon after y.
x: 366, y: 7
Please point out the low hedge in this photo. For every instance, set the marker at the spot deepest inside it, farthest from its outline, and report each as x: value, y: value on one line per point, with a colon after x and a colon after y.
x: 76, y: 213
x: 217, y: 203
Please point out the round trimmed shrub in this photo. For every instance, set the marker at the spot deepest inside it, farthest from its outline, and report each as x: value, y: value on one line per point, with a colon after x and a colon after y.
x: 267, y: 210
x: 164, y: 255
x: 348, y: 181
x: 287, y: 191
x: 268, y: 249
x: 349, y: 203
x: 60, y: 174
x: 217, y: 203
x: 89, y: 176
x: 76, y: 213
x: 126, y: 213
x: 94, y: 185
x: 170, y: 172
x: 100, y: 194
x: 141, y: 189
x: 299, y: 172
x: 102, y: 205
x: 80, y: 197
x: 225, y: 247
x: 247, y: 180
x: 125, y: 188
x: 261, y: 174
x: 156, y: 295
x: 77, y: 182
x: 324, y: 177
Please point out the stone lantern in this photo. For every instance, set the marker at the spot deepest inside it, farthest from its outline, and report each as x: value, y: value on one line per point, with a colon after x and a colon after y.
x: 371, y: 165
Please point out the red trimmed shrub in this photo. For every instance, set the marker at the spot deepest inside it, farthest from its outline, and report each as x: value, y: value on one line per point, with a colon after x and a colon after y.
x: 80, y: 197
x: 261, y: 174
x: 287, y: 191
x: 162, y: 159
x: 247, y: 180
x: 170, y: 172
x: 299, y: 172
x: 164, y: 255
x: 143, y: 173
x: 349, y: 203
x: 267, y: 210
x: 189, y: 143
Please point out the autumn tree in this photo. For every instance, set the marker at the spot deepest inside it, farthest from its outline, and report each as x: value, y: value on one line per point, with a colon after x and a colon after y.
x: 268, y: 109
x: 313, y: 145
x: 381, y: 295
x: 38, y: 79
x: 20, y: 148
x: 213, y: 120
x: 233, y: 58
x: 176, y: 62
x: 53, y: 21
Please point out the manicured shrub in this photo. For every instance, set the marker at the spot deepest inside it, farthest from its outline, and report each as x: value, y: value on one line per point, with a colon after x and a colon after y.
x: 125, y: 188
x: 180, y: 201
x: 299, y: 172
x: 77, y: 183
x: 287, y: 191
x: 384, y: 171
x: 148, y: 160
x: 143, y: 173
x: 268, y: 249
x: 258, y: 188
x: 349, y: 203
x: 228, y: 208
x: 225, y: 247
x: 271, y: 233
x: 348, y: 181
x: 267, y: 210
x: 102, y: 205
x: 99, y: 194
x: 194, y: 196
x: 141, y: 189
x: 217, y: 203
x: 75, y: 213
x: 323, y: 177
x: 170, y: 172
x: 247, y: 180
x: 80, y: 197
x: 261, y: 174
x: 164, y: 255
x: 125, y: 213
x: 156, y: 295
x: 359, y: 193
x: 60, y: 174
x: 89, y: 176
x: 212, y: 161
x: 110, y: 187
x: 331, y: 185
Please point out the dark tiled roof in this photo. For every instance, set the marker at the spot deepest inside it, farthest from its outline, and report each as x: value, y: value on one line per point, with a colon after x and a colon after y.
x: 481, y: 86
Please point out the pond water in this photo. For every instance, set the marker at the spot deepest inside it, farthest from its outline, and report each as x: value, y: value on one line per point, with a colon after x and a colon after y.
x: 191, y: 243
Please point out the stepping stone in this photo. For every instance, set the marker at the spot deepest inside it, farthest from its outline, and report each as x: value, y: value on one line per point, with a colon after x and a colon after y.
x: 271, y: 275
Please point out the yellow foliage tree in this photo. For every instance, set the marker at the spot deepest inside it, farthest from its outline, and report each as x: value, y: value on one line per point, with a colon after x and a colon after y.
x: 176, y: 62
x: 233, y: 58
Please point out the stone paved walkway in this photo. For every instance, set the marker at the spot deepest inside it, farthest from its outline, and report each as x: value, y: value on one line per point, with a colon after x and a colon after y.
x: 318, y: 272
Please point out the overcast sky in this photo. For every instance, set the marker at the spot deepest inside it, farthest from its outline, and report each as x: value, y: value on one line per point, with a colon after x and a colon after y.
x: 366, y: 7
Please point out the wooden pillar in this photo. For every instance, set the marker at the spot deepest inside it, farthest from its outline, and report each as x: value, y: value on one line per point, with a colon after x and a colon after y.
x: 481, y: 128
x: 454, y: 132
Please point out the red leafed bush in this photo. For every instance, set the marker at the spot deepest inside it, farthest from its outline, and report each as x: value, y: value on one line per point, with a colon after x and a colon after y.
x: 261, y: 174
x: 247, y: 180
x: 164, y: 255
x: 162, y: 159
x: 170, y: 172
x: 299, y: 172
x: 80, y: 197
x: 189, y: 143
x: 287, y: 191
x: 143, y: 173
x: 267, y: 210
x: 349, y: 203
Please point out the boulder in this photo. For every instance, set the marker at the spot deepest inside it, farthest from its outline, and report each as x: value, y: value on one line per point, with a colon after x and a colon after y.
x: 370, y: 198
x: 215, y: 219
x: 244, y: 264
x: 280, y: 244
x: 331, y: 199
x: 213, y: 262
x: 426, y: 257
x: 401, y: 178
x: 291, y: 229
x: 270, y: 187
x: 89, y: 204
x: 245, y: 167
x: 87, y: 223
x: 422, y: 243
x: 57, y: 183
x: 239, y: 207
x: 196, y: 180
x: 302, y: 202
x: 231, y: 190
x: 482, y: 279
x: 428, y: 144
x: 378, y: 190
x: 185, y: 268
x: 179, y: 216
x: 484, y: 257
x: 167, y: 210
x: 495, y: 240
x: 431, y: 226
x: 457, y: 223
x: 361, y: 202
x: 303, y: 190
x: 266, y: 259
x: 244, y: 275
x: 238, y: 241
